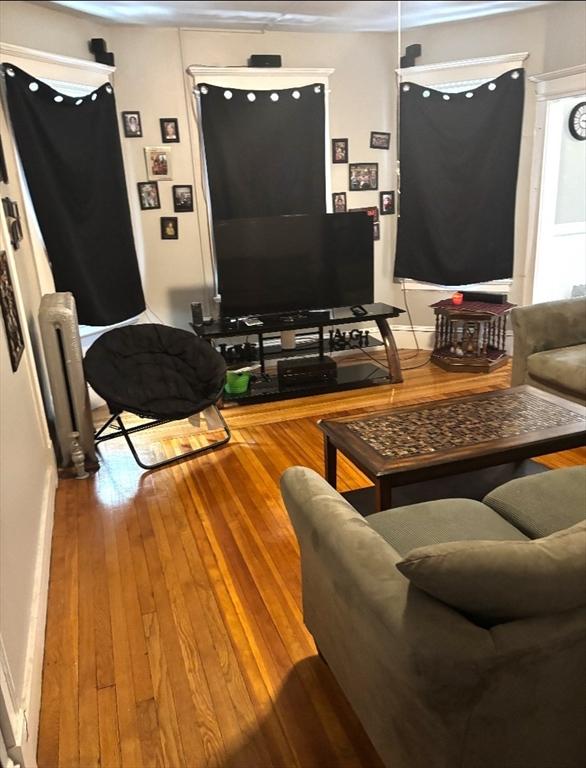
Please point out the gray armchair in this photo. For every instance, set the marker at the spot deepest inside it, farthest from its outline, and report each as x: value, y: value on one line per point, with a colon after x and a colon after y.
x: 432, y: 688
x: 550, y: 347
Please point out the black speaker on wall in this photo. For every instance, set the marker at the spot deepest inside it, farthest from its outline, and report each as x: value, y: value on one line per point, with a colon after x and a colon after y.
x: 98, y: 47
x: 264, y: 60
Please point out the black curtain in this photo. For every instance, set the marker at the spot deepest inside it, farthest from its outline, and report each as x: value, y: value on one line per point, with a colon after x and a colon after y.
x: 459, y: 158
x: 70, y: 151
x: 264, y: 150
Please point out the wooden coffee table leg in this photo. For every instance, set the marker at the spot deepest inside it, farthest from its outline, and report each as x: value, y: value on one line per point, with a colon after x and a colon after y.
x: 330, y: 460
x: 382, y: 489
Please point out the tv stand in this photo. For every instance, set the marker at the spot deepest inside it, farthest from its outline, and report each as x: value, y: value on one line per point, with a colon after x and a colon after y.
x: 378, y: 313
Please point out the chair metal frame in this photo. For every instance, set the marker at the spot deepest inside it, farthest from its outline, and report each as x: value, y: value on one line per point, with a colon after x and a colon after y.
x: 124, y: 431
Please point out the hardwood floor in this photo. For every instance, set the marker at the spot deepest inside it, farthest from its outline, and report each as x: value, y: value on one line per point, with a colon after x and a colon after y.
x: 175, y: 634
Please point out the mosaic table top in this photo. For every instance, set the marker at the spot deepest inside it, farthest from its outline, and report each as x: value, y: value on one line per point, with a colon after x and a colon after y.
x: 460, y: 423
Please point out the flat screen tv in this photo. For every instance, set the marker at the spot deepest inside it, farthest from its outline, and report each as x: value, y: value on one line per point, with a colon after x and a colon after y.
x: 292, y: 263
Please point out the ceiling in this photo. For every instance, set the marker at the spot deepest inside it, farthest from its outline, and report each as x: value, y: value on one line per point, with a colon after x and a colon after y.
x: 298, y: 16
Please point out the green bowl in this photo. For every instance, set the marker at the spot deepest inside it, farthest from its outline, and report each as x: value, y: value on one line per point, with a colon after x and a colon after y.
x: 236, y: 383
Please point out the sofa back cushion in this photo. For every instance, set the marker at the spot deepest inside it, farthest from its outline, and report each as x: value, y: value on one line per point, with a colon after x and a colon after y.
x: 504, y: 580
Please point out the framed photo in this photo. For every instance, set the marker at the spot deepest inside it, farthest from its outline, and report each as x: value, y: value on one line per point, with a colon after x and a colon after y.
x: 182, y: 197
x: 158, y: 163
x: 148, y: 194
x: 339, y: 202
x: 387, y: 203
x: 363, y: 177
x: 132, y: 125
x: 169, y: 228
x: 10, y: 314
x: 376, y: 230
x: 169, y: 130
x: 339, y: 150
x: 380, y: 140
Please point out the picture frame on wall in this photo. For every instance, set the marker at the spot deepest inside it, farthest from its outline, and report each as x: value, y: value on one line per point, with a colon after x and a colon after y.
x: 169, y: 228
x: 148, y: 195
x: 339, y: 150
x: 169, y: 130
x: 363, y: 177
x: 387, y: 203
x: 12, y: 326
x: 182, y: 198
x: 132, y: 125
x: 380, y: 140
x: 158, y: 163
x: 339, y: 202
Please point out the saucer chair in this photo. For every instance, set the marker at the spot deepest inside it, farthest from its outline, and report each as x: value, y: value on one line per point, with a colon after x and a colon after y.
x: 156, y: 372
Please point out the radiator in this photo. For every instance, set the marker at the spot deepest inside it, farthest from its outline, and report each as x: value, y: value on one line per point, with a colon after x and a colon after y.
x: 63, y: 356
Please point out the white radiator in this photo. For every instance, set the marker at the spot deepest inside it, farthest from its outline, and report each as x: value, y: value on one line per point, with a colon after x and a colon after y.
x: 63, y: 355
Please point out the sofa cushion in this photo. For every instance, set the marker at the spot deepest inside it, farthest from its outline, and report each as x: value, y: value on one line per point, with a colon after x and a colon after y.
x: 542, y: 504
x: 564, y: 367
x: 504, y: 580
x: 435, y: 522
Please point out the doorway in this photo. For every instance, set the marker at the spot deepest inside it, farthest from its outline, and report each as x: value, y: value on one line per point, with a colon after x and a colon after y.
x: 560, y: 263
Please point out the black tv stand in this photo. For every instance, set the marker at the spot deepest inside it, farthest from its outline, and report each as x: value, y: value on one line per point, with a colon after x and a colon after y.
x: 379, y: 314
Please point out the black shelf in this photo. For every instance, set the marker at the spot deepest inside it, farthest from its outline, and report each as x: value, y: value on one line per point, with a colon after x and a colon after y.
x: 349, y: 376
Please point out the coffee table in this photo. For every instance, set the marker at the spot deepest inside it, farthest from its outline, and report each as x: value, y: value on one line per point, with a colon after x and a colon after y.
x: 420, y: 443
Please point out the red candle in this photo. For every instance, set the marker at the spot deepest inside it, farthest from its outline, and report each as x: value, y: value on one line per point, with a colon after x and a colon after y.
x: 457, y: 298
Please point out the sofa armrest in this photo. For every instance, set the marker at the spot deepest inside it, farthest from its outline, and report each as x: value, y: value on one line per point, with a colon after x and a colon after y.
x: 337, y: 542
x: 540, y: 327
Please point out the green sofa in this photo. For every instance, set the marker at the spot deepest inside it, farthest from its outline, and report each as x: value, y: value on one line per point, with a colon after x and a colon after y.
x: 493, y: 675
x: 549, y: 348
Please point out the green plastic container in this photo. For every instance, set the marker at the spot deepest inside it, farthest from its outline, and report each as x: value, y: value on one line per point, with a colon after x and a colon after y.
x: 236, y: 383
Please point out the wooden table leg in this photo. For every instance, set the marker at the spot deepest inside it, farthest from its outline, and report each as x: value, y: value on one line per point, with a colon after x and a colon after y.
x: 382, y: 489
x: 330, y: 460
x: 393, y: 362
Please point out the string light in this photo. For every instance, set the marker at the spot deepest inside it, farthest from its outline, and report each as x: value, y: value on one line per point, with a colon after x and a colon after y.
x: 406, y: 88
x: 204, y: 90
x: 274, y: 97
x: 227, y: 94
x: 491, y: 87
x: 58, y: 98
x: 33, y: 87
x: 296, y: 95
x: 251, y: 96
x: 426, y: 94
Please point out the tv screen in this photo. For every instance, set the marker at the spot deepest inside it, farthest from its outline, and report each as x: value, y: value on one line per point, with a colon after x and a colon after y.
x: 287, y: 263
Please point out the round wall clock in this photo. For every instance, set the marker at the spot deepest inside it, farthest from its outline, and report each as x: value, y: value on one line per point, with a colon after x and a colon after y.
x: 577, y: 121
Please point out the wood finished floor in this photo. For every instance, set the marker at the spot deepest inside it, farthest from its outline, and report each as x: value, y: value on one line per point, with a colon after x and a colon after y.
x: 175, y: 634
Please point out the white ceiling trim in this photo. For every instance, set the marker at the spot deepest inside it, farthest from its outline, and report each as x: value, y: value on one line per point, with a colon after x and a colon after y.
x: 502, y: 59
x: 196, y: 70
x: 8, y: 49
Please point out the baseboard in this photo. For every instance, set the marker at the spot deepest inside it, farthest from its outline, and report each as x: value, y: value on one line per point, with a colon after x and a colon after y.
x: 405, y: 336
x: 20, y: 724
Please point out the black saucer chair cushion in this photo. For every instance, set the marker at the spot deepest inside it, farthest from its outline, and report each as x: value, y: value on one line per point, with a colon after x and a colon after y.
x: 155, y: 371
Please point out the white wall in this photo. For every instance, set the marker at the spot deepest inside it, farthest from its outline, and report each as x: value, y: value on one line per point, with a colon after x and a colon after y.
x: 27, y: 487
x: 27, y: 464
x: 151, y: 77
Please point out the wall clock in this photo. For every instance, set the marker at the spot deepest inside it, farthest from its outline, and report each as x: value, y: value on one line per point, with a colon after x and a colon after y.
x: 577, y: 121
